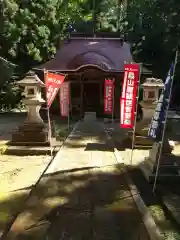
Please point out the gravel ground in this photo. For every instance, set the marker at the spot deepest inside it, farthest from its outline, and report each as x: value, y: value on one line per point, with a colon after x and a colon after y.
x: 18, y: 173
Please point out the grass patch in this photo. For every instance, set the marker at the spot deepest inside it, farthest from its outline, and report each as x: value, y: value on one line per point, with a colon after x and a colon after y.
x: 10, y: 204
x: 168, y: 230
x: 61, y: 129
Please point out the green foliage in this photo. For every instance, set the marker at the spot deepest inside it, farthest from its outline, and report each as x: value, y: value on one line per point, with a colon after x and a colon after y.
x: 9, y: 93
x: 31, y: 30
x: 153, y: 28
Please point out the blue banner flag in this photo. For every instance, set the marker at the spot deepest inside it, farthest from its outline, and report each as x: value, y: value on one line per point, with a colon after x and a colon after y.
x: 157, y: 122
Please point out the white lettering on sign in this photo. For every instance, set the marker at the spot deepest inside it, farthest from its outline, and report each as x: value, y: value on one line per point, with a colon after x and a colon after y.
x: 127, y: 121
x: 131, y: 75
x: 156, y: 115
x: 129, y: 92
x: 154, y: 124
x: 49, y: 91
x: 129, y: 103
x: 159, y: 106
x: 152, y: 132
x: 127, y: 115
x: 130, y: 89
x: 128, y: 109
x: 130, y: 82
x: 108, y: 98
x: 52, y: 94
x: 54, y: 80
x: 129, y: 95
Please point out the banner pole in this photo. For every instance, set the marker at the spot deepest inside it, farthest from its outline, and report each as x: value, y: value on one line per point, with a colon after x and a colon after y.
x: 48, y: 116
x: 69, y: 108
x: 136, y: 109
x: 68, y: 119
x: 113, y: 103
x: 165, y: 122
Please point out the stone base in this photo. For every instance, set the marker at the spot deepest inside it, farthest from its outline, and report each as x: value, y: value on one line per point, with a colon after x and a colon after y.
x: 171, y: 202
x: 30, y: 144
x: 140, y: 141
x: 29, y: 151
x: 168, y: 170
x: 34, y: 133
x: 142, y: 134
x: 25, y: 149
x: 143, y: 141
x: 90, y: 116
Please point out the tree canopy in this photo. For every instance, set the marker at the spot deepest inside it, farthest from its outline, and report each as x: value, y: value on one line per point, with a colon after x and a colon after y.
x: 31, y: 30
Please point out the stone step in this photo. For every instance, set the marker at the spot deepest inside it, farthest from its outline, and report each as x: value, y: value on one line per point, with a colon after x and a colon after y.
x: 90, y: 116
x: 172, y: 203
x: 170, y: 196
x: 31, y: 150
x: 143, y: 141
x: 145, y: 170
x: 163, y: 175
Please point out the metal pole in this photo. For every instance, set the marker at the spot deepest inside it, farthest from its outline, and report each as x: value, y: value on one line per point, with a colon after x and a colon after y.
x: 49, y: 125
x: 113, y: 103
x: 49, y: 119
x: 165, y: 123
x: 68, y: 119
x: 67, y: 101
x: 134, y: 128
x: 69, y: 108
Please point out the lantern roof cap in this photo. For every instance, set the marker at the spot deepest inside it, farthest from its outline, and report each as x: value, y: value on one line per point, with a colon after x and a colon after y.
x: 153, y: 82
x: 31, y: 79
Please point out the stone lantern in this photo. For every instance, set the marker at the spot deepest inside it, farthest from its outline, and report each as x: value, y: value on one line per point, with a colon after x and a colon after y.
x: 151, y: 92
x: 33, y: 131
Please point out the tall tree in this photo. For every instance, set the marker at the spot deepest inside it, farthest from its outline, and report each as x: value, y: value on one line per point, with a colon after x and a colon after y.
x: 31, y: 29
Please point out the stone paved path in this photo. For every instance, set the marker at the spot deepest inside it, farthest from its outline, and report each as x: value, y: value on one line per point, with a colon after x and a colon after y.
x: 83, y: 195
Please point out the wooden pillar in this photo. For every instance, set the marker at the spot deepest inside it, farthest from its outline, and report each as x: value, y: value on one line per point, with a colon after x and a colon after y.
x: 100, y: 89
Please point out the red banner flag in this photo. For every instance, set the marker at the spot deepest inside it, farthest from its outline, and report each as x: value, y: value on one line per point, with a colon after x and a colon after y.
x: 108, y: 96
x: 64, y: 99
x: 129, y: 95
x: 53, y: 83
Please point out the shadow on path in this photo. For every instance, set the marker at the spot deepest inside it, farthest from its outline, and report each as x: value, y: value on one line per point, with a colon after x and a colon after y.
x: 89, y: 204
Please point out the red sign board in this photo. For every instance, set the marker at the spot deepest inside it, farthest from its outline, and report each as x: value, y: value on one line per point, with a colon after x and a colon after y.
x: 108, y: 96
x: 64, y: 99
x: 53, y: 83
x: 129, y: 95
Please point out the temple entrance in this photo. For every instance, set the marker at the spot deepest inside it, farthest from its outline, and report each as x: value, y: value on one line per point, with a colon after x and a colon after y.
x: 91, y: 96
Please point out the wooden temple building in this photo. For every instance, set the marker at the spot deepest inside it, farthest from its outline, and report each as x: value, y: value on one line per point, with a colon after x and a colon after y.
x: 88, y: 61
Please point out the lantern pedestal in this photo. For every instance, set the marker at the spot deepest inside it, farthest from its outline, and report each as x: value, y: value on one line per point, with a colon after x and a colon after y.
x: 32, y: 136
x: 167, y: 167
x: 33, y: 131
x: 151, y: 92
x: 142, y: 127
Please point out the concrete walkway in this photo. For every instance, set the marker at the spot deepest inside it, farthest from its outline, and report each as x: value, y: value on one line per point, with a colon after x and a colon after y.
x: 83, y: 195
x: 85, y: 147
